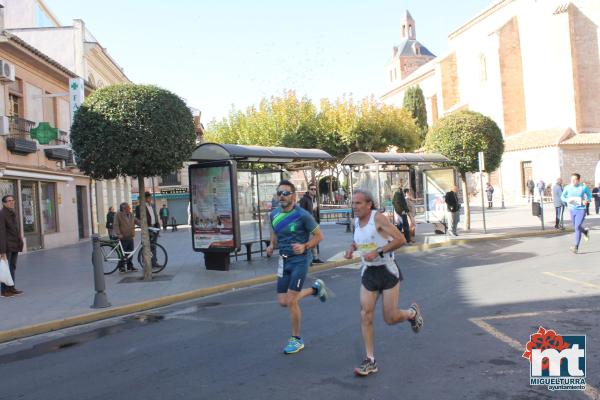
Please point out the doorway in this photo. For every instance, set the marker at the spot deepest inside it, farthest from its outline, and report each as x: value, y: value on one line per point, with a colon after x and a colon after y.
x: 31, y: 212
x: 81, y: 195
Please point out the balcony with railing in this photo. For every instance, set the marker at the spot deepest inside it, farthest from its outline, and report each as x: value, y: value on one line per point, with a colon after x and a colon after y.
x: 19, y: 140
x: 23, y: 138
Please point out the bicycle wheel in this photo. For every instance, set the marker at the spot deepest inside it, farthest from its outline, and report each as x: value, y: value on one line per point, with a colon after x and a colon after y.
x: 110, y: 258
x: 159, y: 253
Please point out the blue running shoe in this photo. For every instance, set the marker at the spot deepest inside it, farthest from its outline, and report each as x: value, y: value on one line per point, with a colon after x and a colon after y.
x: 293, y: 346
x: 321, y: 290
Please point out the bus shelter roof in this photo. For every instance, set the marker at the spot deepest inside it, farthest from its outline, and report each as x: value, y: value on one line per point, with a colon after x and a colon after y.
x: 364, y: 158
x: 258, y: 154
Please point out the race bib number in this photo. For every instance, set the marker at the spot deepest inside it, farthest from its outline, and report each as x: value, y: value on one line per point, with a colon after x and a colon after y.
x: 280, y: 267
x: 574, y: 200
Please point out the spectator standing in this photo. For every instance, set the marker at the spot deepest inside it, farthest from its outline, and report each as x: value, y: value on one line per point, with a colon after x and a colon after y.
x: 124, y: 229
x: 309, y: 203
x: 110, y: 220
x: 530, y: 185
x: 164, y: 216
x: 11, y: 242
x: 453, y: 210
x: 559, y: 206
x: 489, y: 190
x: 401, y: 209
x: 596, y: 196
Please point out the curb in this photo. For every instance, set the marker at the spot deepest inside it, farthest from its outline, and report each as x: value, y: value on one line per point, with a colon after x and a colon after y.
x: 50, y: 326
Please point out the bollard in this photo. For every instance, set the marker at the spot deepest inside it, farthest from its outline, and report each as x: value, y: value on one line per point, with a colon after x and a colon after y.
x: 100, y: 299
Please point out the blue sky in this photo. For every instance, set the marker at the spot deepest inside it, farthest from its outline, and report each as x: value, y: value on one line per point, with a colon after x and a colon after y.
x: 216, y: 54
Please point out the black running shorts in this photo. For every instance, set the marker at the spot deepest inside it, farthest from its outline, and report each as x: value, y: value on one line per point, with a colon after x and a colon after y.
x: 377, y: 278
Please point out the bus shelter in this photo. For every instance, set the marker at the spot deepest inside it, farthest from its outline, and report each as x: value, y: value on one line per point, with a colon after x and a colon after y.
x: 232, y: 191
x: 379, y: 172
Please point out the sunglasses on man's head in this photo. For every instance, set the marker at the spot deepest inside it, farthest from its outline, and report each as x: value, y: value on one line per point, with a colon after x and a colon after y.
x: 285, y: 193
x: 313, y: 189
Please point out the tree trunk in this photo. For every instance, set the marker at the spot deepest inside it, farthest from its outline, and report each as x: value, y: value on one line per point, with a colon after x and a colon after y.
x: 147, y: 254
x: 463, y: 179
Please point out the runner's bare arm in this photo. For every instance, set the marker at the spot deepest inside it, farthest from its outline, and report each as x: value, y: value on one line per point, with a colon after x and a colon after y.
x: 272, y: 245
x: 350, y: 251
x: 387, y: 229
x: 300, y: 248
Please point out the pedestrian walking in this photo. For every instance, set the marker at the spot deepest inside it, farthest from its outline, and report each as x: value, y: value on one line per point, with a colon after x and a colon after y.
x: 11, y: 242
x: 401, y: 210
x: 559, y: 205
x: 576, y: 195
x: 376, y: 239
x: 124, y: 228
x: 489, y: 190
x: 596, y: 196
x: 541, y: 187
x: 164, y: 216
x: 110, y: 220
x: 309, y: 203
x: 295, y: 232
x: 530, y: 185
x: 452, y: 211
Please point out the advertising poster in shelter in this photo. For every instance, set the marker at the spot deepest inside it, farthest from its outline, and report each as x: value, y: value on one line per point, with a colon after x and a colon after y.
x: 213, y: 207
x: 437, y: 183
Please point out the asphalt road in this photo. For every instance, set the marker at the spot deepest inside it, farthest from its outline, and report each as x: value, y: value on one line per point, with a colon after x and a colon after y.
x: 229, y: 346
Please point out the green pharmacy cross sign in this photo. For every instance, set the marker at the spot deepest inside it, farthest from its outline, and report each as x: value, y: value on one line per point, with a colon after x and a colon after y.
x: 44, y: 133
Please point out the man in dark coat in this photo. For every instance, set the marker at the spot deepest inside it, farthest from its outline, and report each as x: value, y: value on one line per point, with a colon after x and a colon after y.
x: 453, y: 210
x: 401, y: 208
x: 11, y: 242
x: 151, y: 217
x: 309, y: 203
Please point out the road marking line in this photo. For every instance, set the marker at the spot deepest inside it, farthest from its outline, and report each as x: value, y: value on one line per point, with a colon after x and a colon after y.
x: 584, y: 283
x: 497, y: 334
x: 590, y: 391
x: 533, y: 314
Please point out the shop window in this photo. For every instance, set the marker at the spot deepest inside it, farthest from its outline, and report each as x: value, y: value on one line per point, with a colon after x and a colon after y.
x: 49, y: 207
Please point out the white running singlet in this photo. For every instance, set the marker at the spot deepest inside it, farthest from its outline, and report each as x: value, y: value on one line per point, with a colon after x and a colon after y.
x: 368, y: 239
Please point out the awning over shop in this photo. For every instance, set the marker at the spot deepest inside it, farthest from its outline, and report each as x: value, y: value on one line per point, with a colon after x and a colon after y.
x: 363, y: 158
x: 257, y: 154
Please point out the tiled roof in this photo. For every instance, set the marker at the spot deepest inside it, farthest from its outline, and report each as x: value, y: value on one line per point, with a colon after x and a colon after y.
x: 583, y: 138
x: 549, y: 138
x: 536, y: 139
x: 406, y: 48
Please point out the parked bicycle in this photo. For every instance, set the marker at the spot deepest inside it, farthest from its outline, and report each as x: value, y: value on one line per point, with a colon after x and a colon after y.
x: 113, y: 253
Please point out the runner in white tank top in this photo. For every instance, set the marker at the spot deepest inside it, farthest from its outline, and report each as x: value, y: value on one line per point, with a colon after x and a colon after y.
x: 368, y: 239
x: 377, y: 238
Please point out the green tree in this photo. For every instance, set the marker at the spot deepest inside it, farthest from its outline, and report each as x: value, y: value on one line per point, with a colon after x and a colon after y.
x: 339, y: 127
x: 414, y: 102
x: 460, y: 136
x: 133, y: 130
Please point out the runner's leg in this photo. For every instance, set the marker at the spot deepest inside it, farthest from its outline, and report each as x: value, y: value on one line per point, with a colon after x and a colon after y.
x: 391, y: 313
x: 368, y: 300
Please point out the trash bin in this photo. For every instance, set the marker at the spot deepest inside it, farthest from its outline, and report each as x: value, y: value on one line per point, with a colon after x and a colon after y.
x: 536, y: 209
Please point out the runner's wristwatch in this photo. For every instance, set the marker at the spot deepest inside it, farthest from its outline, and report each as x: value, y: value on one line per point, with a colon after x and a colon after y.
x: 380, y: 252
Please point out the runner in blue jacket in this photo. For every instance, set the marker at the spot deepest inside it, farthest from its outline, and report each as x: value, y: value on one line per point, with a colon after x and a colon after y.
x: 577, y: 195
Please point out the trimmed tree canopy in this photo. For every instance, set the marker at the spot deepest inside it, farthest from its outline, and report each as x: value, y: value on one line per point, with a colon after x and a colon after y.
x: 461, y: 135
x: 134, y: 130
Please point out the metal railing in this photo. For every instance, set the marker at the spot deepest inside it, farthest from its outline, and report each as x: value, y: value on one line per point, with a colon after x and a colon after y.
x: 19, y: 127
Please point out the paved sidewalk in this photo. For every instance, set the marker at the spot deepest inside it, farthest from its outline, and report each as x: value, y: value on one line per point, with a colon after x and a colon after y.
x: 58, y: 283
